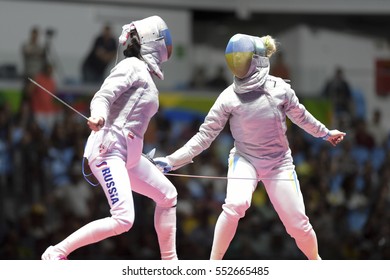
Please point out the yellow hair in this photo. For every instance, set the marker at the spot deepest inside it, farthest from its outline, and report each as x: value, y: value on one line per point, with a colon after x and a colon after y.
x: 270, y: 45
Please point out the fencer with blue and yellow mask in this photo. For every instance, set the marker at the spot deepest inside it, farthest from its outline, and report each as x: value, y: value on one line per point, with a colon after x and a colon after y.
x: 246, y: 57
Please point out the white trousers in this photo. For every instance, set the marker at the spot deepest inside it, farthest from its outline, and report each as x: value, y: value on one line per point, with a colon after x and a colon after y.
x: 118, y: 180
x: 285, y: 196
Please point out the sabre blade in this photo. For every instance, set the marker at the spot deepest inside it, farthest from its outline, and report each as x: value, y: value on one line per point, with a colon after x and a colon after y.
x: 151, y: 153
x: 59, y: 99
x: 225, y: 178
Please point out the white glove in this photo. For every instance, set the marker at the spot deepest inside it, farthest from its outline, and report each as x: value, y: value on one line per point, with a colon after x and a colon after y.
x: 334, y: 137
x: 163, y: 164
x: 95, y: 124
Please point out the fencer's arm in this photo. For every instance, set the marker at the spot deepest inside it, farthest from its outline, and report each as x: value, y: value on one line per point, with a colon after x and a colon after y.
x: 118, y: 81
x: 165, y: 166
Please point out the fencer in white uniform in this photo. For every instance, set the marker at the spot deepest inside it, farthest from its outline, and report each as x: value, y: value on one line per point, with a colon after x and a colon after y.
x: 120, y: 113
x: 256, y: 106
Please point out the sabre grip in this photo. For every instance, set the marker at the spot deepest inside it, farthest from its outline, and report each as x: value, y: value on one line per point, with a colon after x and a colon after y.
x: 96, y: 123
x: 163, y: 164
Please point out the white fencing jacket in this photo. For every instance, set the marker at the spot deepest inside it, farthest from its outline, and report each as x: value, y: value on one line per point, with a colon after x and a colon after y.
x: 127, y: 100
x: 256, y: 109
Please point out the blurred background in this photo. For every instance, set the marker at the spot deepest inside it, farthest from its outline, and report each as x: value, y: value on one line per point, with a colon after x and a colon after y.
x: 336, y: 54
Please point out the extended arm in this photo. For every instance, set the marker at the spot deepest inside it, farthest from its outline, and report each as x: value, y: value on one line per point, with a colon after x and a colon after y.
x: 214, y: 123
x: 304, y: 119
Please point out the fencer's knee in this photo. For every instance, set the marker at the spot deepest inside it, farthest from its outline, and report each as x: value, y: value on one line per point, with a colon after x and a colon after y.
x: 236, y: 210
x: 123, y: 224
x: 300, y: 231
x: 168, y: 200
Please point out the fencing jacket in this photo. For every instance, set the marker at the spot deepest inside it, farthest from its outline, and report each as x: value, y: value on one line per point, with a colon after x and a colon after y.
x: 127, y: 100
x: 256, y: 109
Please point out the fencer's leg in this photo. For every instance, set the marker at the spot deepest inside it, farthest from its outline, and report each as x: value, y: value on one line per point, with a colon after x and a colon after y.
x: 117, y: 189
x: 238, y: 200
x: 149, y: 181
x: 165, y: 225
x: 286, y: 197
x: 224, y: 231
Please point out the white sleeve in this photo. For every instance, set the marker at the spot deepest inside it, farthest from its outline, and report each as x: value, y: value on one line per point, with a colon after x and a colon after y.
x: 214, y: 122
x: 299, y: 115
x: 118, y: 81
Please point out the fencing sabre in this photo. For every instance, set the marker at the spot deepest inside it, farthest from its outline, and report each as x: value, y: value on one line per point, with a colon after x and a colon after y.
x: 59, y: 99
x: 151, y: 153
x: 150, y: 156
x: 225, y: 177
x: 86, y: 176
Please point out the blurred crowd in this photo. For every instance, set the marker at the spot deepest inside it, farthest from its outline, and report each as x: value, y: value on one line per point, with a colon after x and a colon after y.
x: 44, y: 196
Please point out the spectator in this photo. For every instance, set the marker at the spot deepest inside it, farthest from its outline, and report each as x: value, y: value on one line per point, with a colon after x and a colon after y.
x: 6, y: 163
x: 338, y: 90
x: 376, y: 128
x: 60, y: 155
x: 43, y: 106
x: 198, y: 79
x: 34, y: 56
x: 280, y: 68
x: 76, y: 196
x: 363, y: 136
x: 218, y: 82
x: 100, y: 56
